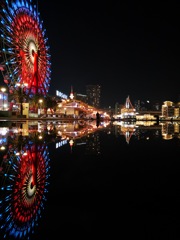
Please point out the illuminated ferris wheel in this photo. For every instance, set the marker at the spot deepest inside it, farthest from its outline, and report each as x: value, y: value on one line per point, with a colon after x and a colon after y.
x: 24, y: 50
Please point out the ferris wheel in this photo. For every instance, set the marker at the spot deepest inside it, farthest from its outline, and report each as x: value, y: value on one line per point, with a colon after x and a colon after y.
x: 24, y: 50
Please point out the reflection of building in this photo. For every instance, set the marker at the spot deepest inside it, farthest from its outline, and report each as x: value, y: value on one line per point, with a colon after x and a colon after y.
x: 128, y: 129
x: 3, y: 136
x: 169, y: 130
x: 138, y: 129
x: 4, y: 105
x: 93, y: 144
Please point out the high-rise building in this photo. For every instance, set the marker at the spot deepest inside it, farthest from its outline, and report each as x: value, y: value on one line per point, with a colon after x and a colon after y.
x: 93, y: 93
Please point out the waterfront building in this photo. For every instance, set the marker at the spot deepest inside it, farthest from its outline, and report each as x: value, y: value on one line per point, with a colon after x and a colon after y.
x: 169, y: 110
x: 4, y: 104
x: 128, y: 110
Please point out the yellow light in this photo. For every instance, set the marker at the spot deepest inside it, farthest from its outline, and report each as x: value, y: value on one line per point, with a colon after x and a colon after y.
x: 2, y: 148
x: 3, y: 89
x: 71, y: 142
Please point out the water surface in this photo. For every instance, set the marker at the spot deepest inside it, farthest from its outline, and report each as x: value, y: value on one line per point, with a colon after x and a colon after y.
x: 115, y: 180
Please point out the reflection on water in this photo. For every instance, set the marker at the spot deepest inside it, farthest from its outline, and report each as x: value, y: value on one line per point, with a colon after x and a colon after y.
x: 25, y: 162
x: 24, y: 170
x: 167, y: 130
x: 24, y: 173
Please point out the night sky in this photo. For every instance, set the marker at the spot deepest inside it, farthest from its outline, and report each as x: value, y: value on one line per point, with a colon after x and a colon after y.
x: 128, y: 47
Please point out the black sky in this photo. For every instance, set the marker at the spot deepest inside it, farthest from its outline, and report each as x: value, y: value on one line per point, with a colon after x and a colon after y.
x: 127, y: 47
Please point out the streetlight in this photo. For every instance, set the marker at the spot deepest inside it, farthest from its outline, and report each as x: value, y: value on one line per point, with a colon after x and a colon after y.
x: 2, y: 148
x: 40, y: 104
x: 3, y: 89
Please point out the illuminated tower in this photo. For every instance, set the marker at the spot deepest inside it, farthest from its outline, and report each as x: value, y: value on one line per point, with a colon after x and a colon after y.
x: 71, y: 94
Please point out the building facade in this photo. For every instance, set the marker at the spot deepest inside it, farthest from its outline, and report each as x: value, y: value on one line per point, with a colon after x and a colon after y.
x: 93, y: 93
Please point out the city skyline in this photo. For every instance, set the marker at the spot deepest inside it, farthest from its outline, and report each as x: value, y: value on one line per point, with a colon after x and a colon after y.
x: 129, y: 49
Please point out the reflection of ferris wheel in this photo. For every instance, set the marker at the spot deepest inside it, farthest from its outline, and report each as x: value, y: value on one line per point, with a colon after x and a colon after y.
x: 23, y: 189
x: 26, y: 58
